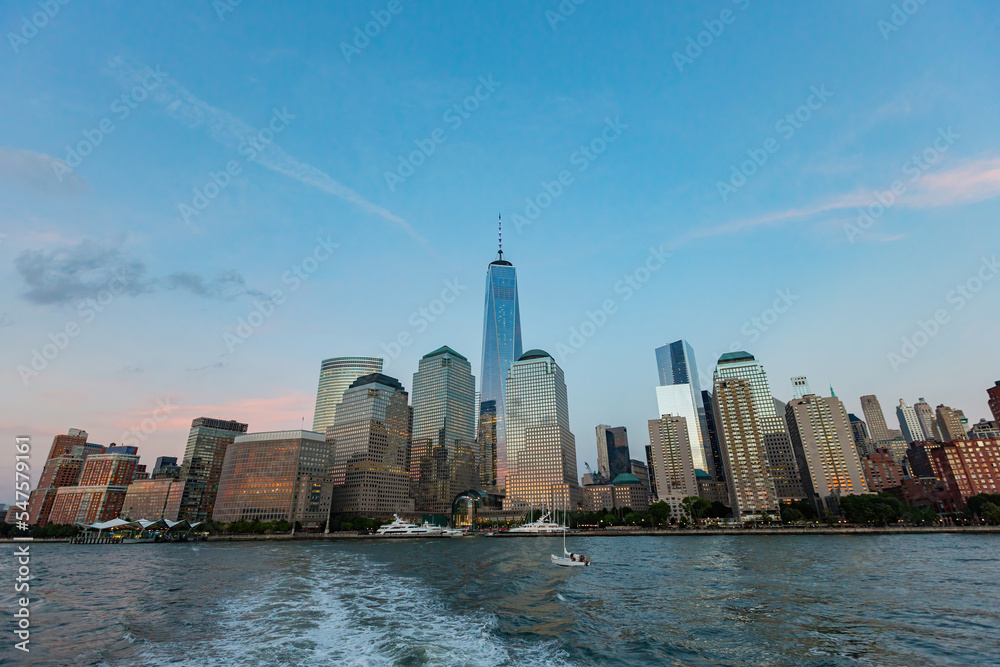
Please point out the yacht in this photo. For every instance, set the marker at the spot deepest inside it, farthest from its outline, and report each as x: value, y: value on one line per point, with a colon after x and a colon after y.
x: 401, y: 528
x: 452, y: 532
x: 542, y: 525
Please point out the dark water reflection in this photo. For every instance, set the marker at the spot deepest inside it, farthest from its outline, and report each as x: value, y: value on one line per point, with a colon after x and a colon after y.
x: 796, y: 600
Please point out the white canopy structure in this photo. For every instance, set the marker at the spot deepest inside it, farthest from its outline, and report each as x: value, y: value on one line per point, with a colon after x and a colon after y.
x: 141, y: 524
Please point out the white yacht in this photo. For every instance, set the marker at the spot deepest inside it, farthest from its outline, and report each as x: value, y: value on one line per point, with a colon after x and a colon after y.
x: 452, y: 532
x: 542, y: 525
x: 401, y: 528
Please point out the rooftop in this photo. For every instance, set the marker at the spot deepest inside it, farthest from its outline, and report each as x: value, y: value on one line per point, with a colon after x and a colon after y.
x: 534, y: 354
x: 377, y: 378
x: 731, y: 357
x: 626, y: 478
x: 444, y: 349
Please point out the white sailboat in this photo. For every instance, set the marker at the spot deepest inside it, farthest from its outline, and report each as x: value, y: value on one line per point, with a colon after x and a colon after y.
x: 569, y: 559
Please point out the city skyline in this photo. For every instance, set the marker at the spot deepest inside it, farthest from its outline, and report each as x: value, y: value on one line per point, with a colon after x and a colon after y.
x: 372, y: 266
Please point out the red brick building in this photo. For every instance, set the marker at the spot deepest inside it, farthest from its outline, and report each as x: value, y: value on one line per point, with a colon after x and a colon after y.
x: 881, y: 471
x: 58, y: 472
x: 104, y: 482
x: 62, y: 445
x: 994, y: 400
x: 969, y: 467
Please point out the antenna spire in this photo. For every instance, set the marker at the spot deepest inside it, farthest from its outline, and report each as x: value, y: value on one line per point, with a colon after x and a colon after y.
x: 500, y: 234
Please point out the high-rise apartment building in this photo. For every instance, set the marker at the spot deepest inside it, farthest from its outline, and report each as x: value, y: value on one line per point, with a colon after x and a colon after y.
x: 881, y: 472
x: 63, y: 444
x: 276, y: 475
x: 203, y: 458
x: 335, y: 376
x: 928, y: 422
x: 969, y: 467
x: 875, y: 418
x: 950, y: 424
x: 800, y: 386
x: 676, y: 365
x: 909, y: 423
x: 443, y: 452
x: 540, y: 447
x: 824, y: 448
x: 100, y: 493
x: 994, y: 400
x: 678, y: 400
x: 744, y: 455
x: 673, y: 467
x: 612, y: 451
x: 782, y: 465
x: 371, y: 441
x: 501, y: 347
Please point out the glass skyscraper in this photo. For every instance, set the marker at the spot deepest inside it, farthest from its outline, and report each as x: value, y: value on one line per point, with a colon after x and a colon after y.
x: 612, y: 451
x: 335, y: 376
x: 501, y: 347
x: 443, y: 454
x: 675, y: 365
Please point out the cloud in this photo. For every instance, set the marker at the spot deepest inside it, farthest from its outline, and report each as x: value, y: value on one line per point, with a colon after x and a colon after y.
x: 34, y: 171
x: 967, y: 183
x: 228, y: 130
x: 82, y: 270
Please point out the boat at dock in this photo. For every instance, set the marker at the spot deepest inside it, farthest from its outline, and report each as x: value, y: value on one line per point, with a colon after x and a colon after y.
x: 542, y: 526
x: 401, y: 528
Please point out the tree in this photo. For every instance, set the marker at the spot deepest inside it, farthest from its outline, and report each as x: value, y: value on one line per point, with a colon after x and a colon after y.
x: 695, y: 507
x: 609, y: 520
x: 882, y: 508
x: 791, y: 515
x: 658, y: 514
x: 990, y: 513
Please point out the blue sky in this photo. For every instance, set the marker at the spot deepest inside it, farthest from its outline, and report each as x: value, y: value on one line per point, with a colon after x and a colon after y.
x: 663, y: 132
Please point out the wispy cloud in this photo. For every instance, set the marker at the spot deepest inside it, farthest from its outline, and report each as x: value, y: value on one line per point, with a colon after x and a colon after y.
x: 78, y: 271
x: 228, y: 130
x: 35, y: 171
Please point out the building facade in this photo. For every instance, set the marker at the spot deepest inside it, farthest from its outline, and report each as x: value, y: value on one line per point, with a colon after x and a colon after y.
x: 928, y: 422
x: 824, y: 448
x: 860, y: 432
x: 676, y: 365
x: 443, y: 453
x: 265, y: 476
x: 678, y: 400
x: 881, y: 471
x: 335, y: 376
x: 670, y: 444
x: 950, y: 424
x: 371, y: 441
x: 909, y: 423
x: 101, y: 491
x: 541, y: 448
x: 612, y: 450
x: 875, y: 418
x: 207, y: 442
x: 153, y: 499
x: 993, y: 394
x: 968, y: 467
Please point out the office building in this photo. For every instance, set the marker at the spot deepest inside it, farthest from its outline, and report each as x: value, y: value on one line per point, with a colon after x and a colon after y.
x: 166, y: 468
x: 625, y: 492
x: 875, y: 418
x: 860, y: 432
x: 335, y: 376
x: 712, y: 437
x: 676, y: 365
x: 153, y: 499
x: 909, y: 423
x: 928, y: 422
x: 540, y: 447
x: 203, y: 459
x: 274, y: 476
x: 672, y: 463
x: 640, y: 471
x: 501, y: 347
x: 950, y: 424
x: 781, y: 462
x: 744, y: 455
x: 651, y: 469
x: 824, y: 449
x: 371, y: 440
x: 612, y: 450
x: 800, y: 386
x: 881, y: 471
x: 678, y: 400
x: 443, y: 453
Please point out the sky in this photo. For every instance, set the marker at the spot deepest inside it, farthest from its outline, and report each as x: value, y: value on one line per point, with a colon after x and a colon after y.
x: 201, y: 201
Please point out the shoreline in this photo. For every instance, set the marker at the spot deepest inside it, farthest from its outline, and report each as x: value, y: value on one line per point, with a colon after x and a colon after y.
x: 713, y: 532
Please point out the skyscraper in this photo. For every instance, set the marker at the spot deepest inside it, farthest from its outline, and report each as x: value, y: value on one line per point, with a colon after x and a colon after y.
x: 950, y: 424
x: 875, y: 418
x: 541, y: 449
x: 678, y: 400
x: 824, y: 448
x: 443, y: 454
x: 675, y: 364
x: 712, y: 436
x: 781, y: 462
x: 909, y: 423
x: 744, y: 455
x: 928, y: 423
x: 800, y: 386
x: 370, y: 440
x: 501, y: 346
x: 335, y: 376
x: 202, y: 467
x: 612, y: 451
x: 860, y: 432
x: 670, y: 455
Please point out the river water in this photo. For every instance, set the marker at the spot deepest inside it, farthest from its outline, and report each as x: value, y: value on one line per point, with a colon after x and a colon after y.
x: 702, y: 600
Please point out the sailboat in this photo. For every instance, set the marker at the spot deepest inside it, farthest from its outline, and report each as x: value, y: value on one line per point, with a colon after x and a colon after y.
x: 569, y: 559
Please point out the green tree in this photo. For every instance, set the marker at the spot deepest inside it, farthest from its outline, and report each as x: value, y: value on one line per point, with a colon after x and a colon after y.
x: 695, y: 507
x: 658, y: 514
x: 791, y: 515
x: 990, y: 513
x: 609, y: 520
